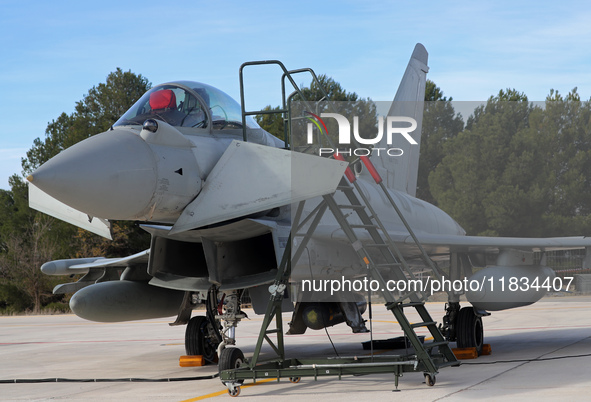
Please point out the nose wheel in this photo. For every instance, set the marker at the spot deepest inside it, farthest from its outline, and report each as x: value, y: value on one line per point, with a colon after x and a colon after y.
x: 231, y: 358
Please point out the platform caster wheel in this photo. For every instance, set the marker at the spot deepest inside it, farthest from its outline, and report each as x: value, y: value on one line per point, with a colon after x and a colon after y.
x: 200, y: 338
x: 430, y: 380
x: 234, y: 391
x: 295, y: 380
x: 469, y: 331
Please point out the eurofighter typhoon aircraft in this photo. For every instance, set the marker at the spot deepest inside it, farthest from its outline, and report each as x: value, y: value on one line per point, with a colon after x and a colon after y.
x: 218, y: 210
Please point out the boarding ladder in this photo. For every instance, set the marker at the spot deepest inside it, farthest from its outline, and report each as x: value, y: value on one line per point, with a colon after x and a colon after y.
x: 379, y: 254
x: 381, y: 247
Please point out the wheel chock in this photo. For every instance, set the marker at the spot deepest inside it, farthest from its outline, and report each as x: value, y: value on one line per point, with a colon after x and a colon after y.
x: 486, y: 349
x: 191, y: 361
x: 465, y: 353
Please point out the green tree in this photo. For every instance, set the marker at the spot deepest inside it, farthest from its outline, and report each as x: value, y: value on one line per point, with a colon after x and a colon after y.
x: 440, y: 124
x: 471, y: 182
x: 326, y: 95
x: 272, y: 123
x: 564, y: 138
x: 29, y: 238
x: 95, y: 113
x: 520, y: 169
x: 334, y: 91
x: 25, y: 253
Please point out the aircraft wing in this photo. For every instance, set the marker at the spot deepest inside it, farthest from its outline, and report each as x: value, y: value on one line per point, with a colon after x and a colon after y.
x: 93, y: 270
x: 45, y: 203
x: 251, y: 178
x: 124, y: 262
x: 442, y: 243
x: 485, y: 243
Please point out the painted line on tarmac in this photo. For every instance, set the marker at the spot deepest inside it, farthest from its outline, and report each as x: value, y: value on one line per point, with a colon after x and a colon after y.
x: 218, y: 393
x: 93, y: 341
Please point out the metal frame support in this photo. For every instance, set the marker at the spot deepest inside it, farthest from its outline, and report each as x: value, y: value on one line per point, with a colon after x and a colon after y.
x: 281, y: 282
x: 285, y: 109
x: 426, y: 357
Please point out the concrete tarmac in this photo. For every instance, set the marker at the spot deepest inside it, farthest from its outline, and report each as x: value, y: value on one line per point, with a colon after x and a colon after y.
x: 526, y: 361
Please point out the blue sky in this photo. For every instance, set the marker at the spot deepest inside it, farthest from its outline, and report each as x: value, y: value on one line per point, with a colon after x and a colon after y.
x: 52, y: 53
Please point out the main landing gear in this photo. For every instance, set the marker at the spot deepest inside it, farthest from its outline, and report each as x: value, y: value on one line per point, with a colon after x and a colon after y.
x: 464, y: 326
x: 469, y: 330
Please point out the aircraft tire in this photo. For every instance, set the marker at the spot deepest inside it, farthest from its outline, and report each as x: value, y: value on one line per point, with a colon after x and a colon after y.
x: 231, y: 358
x: 469, y: 330
x: 199, y: 339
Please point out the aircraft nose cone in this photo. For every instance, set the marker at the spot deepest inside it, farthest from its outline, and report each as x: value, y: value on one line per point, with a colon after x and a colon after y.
x: 110, y: 175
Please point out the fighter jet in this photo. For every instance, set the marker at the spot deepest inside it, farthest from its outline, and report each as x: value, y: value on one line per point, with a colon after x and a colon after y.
x: 215, y: 192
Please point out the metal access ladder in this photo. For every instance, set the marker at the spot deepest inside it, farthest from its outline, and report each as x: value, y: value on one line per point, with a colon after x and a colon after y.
x: 426, y: 357
x: 379, y: 255
x: 396, y: 265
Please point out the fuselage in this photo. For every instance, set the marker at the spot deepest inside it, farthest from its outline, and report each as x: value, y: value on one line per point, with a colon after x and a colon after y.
x: 155, y: 160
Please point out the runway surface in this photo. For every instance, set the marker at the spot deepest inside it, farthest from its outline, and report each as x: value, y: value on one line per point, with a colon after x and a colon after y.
x: 524, y: 343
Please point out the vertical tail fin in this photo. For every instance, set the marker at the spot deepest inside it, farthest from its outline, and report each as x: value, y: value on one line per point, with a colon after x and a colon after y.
x: 400, y: 172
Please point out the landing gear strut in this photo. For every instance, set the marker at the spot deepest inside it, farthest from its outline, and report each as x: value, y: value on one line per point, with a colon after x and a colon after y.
x: 229, y: 314
x: 209, y: 335
x: 448, y: 328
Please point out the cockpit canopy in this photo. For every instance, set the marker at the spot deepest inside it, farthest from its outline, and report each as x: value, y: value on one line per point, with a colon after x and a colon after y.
x: 187, y: 104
